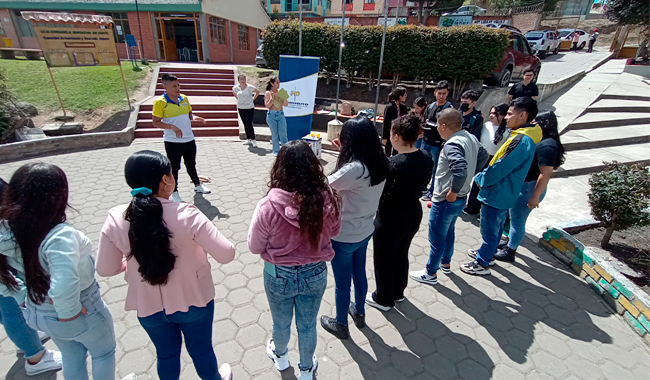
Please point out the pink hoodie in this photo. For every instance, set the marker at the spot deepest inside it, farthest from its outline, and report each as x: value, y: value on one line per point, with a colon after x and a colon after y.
x: 274, y: 232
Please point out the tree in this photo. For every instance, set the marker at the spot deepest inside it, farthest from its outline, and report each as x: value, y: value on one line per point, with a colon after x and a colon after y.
x: 620, y: 197
x: 6, y: 102
x: 632, y: 12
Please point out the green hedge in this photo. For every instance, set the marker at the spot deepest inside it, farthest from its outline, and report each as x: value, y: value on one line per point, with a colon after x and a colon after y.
x: 461, y: 53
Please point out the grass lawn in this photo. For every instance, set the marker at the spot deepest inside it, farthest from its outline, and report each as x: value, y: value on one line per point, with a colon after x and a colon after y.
x: 81, y: 88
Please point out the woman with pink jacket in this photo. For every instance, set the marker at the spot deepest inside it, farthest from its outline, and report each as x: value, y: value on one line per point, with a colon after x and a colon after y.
x: 291, y: 229
x: 162, y: 246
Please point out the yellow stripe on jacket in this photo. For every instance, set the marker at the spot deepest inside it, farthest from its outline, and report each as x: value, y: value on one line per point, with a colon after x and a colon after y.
x: 534, y: 132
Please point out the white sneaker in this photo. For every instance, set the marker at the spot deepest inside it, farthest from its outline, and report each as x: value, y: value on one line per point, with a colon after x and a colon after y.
x: 225, y: 371
x: 202, y: 189
x: 281, y: 362
x: 423, y: 277
x: 176, y: 197
x: 130, y: 376
x: 254, y: 143
x: 309, y: 374
x: 371, y: 301
x: 247, y: 142
x: 51, y: 361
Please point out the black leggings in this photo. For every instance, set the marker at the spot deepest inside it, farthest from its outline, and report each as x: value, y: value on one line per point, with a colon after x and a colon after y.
x: 391, y: 242
x: 186, y: 151
x: 247, y: 118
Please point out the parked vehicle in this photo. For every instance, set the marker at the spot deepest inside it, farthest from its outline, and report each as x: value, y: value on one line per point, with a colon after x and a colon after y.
x: 259, y: 57
x: 469, y: 10
x: 567, y: 35
x: 518, y: 57
x: 544, y: 42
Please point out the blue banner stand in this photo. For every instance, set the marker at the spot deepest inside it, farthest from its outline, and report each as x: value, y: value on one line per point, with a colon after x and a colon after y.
x: 299, y: 77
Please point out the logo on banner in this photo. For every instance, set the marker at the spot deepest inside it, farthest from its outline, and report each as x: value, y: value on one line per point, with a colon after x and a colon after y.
x: 295, y: 93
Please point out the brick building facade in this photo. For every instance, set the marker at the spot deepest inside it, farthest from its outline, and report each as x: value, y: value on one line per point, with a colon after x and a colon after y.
x: 175, y: 30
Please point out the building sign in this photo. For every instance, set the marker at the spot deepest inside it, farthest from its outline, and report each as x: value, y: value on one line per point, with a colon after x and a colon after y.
x: 447, y: 21
x: 65, y: 46
x: 337, y: 21
x: 492, y: 23
x: 392, y: 21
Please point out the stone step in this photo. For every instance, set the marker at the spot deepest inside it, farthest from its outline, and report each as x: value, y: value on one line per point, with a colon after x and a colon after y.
x: 616, y: 96
x: 230, y: 82
x: 199, y: 86
x: 200, y: 75
x: 159, y: 91
x: 579, y: 162
x: 199, y: 107
x: 198, y: 132
x: 604, y: 137
x: 617, y: 105
x: 209, y: 123
x: 147, y: 115
x: 172, y: 69
x: 609, y: 119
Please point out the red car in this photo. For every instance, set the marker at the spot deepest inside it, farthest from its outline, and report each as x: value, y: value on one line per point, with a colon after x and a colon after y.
x: 518, y: 57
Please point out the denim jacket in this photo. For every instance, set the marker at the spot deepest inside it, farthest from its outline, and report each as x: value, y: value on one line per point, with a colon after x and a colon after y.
x: 66, y: 255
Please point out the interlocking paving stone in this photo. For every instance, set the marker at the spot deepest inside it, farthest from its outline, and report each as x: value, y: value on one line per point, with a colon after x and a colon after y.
x: 530, y: 320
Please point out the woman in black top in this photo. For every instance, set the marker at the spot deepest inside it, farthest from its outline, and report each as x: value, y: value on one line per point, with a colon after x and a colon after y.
x: 549, y: 155
x: 395, y: 109
x: 400, y: 212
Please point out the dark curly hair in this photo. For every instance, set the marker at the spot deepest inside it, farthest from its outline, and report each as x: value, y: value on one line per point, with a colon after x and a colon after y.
x: 148, y: 233
x: 298, y: 171
x: 34, y: 202
x: 360, y: 142
x: 407, y: 127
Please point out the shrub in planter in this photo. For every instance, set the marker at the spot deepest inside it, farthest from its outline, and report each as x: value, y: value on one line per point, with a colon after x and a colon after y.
x: 460, y: 53
x: 620, y: 197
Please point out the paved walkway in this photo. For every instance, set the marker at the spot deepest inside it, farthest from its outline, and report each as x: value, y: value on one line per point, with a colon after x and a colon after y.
x: 558, y: 66
x: 530, y: 320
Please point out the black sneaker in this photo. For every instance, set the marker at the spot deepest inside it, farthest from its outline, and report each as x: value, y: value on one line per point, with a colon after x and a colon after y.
x: 473, y: 267
x: 472, y: 253
x: 506, y: 254
x: 359, y: 319
x: 333, y: 327
x: 503, y: 242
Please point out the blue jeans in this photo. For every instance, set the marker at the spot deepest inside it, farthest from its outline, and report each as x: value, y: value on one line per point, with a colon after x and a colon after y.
x: 278, y: 125
x: 349, y: 264
x: 23, y: 336
x: 418, y: 143
x: 300, y: 287
x: 435, y: 154
x: 88, y: 333
x: 442, y: 232
x: 519, y: 214
x: 196, y: 327
x: 492, y: 221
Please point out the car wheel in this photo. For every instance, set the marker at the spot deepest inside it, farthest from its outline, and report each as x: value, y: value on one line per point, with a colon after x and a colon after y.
x: 557, y: 50
x: 542, y: 54
x: 504, y: 81
x: 582, y: 46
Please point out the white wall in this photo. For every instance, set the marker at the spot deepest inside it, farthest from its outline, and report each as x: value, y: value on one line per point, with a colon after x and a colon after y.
x: 246, y: 12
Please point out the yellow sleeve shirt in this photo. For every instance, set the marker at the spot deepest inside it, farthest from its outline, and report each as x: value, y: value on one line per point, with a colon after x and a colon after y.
x: 175, y: 112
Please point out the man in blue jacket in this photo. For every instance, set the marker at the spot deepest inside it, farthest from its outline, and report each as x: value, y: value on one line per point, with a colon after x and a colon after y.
x: 502, y: 180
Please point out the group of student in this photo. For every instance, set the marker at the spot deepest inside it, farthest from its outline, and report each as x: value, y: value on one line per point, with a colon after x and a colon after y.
x: 306, y: 219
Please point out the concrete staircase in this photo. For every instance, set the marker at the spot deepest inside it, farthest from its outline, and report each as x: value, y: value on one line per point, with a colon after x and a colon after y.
x: 209, y: 90
x: 616, y: 127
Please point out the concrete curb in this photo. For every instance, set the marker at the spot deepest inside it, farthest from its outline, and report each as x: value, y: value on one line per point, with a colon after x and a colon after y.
x: 621, y: 294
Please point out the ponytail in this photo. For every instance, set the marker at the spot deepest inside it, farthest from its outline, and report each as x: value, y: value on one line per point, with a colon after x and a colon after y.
x: 148, y: 233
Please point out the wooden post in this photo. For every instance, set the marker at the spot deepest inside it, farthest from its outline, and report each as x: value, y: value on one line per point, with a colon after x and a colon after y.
x: 56, y: 88
x: 128, y: 100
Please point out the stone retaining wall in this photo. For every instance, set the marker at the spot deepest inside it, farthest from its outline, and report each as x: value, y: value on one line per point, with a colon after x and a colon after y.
x: 65, y: 144
x: 618, y: 292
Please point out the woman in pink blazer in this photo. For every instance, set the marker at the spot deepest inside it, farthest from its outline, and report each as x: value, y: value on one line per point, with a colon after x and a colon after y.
x: 162, y: 246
